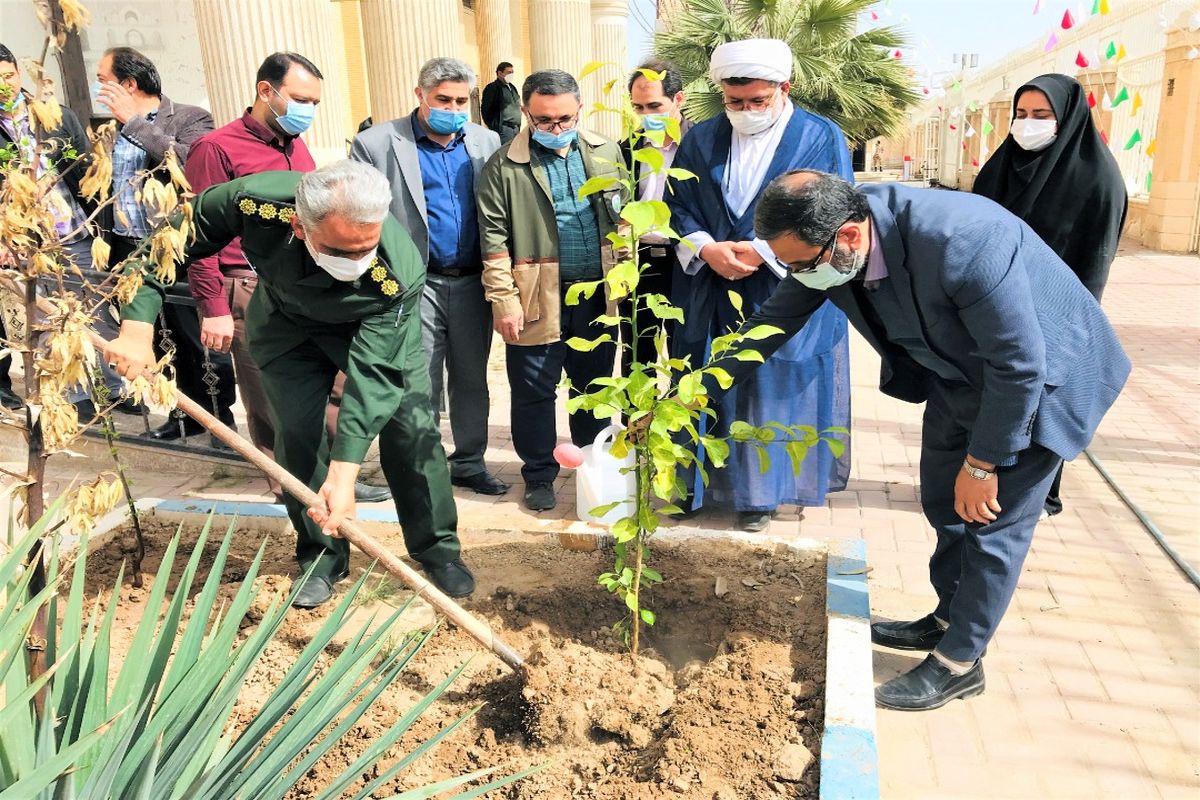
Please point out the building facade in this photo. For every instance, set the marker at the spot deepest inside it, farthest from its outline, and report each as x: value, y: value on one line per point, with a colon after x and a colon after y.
x: 369, y: 50
x: 1143, y: 72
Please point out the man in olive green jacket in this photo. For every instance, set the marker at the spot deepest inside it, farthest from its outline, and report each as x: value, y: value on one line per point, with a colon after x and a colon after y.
x: 538, y: 238
x: 340, y: 289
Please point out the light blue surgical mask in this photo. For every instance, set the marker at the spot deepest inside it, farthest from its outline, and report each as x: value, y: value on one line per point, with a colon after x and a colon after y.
x: 555, y: 141
x: 654, y: 122
x: 299, y: 116
x: 839, y: 269
x: 446, y: 122
x: 13, y: 103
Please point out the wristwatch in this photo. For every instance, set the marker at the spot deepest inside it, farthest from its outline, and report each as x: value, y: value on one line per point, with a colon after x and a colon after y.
x: 975, y: 472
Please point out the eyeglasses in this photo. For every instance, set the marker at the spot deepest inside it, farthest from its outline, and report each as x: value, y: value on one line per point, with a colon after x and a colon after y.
x: 753, y: 104
x: 553, y: 125
x: 800, y: 267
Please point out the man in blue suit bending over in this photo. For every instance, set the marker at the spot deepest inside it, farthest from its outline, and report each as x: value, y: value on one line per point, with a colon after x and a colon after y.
x: 976, y: 317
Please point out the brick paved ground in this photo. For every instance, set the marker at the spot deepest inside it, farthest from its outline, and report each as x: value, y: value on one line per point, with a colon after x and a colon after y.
x: 1094, y: 676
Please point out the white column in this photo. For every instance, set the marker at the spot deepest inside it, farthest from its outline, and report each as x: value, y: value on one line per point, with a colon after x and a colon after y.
x: 609, y: 19
x: 401, y: 35
x: 494, y: 32
x: 236, y: 35
x: 561, y: 38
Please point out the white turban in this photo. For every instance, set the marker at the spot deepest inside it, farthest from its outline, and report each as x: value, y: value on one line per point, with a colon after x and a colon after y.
x: 762, y: 59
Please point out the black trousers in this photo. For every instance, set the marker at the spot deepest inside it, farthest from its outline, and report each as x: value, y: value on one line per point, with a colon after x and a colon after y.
x: 183, y: 323
x: 656, y: 279
x: 533, y: 375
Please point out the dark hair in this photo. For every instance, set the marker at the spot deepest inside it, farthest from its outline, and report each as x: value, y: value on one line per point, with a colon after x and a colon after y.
x: 672, y: 84
x: 503, y: 65
x: 129, y: 64
x: 276, y: 66
x: 7, y: 55
x: 748, y: 81
x: 809, y: 210
x: 551, y: 82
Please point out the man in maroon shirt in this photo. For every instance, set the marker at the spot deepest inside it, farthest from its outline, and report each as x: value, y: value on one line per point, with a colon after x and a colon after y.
x: 264, y: 139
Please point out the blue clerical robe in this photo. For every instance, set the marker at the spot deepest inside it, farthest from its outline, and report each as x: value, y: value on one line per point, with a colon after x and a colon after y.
x: 807, y: 381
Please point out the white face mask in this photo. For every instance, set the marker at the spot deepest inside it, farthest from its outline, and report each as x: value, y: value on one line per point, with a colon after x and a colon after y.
x: 343, y: 269
x: 1034, y: 134
x: 749, y: 123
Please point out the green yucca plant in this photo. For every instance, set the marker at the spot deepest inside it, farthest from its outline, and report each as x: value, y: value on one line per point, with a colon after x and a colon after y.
x: 850, y: 77
x: 157, y: 725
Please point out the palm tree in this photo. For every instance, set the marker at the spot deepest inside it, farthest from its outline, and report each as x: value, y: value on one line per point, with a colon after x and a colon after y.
x: 853, y: 78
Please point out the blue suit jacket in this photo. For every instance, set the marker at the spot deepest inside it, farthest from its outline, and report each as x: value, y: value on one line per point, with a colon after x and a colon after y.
x: 995, y: 305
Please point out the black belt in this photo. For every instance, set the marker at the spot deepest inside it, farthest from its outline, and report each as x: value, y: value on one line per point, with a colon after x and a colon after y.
x: 453, y: 273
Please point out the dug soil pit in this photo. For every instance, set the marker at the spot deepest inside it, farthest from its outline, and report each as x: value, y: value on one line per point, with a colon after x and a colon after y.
x: 725, y: 700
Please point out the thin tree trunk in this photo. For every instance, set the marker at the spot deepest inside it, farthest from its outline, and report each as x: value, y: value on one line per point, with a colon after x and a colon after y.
x: 35, y: 493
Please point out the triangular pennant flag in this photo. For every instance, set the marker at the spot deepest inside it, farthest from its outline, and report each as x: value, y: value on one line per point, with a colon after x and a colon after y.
x: 1149, y: 178
x: 874, y: 17
x: 1091, y: 100
x: 1137, y: 103
x: 1121, y: 97
x: 974, y: 162
x: 1068, y: 21
x: 973, y: 106
x: 925, y: 90
x: 970, y: 131
x: 1120, y: 53
x: 1103, y: 7
x: 896, y: 54
x: 988, y: 127
x: 1137, y: 137
x: 1037, y: 6
x: 957, y: 86
x: 1050, y: 43
x: 1104, y: 137
x: 1095, y: 7
x: 1150, y: 148
x: 1111, y: 51
x: 1081, y: 60
x: 953, y: 127
x: 1106, y: 102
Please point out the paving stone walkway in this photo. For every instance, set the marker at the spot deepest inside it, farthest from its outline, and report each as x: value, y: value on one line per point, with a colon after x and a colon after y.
x: 1093, y: 680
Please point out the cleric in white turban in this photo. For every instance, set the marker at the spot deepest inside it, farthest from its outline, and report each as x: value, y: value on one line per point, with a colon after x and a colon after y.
x: 763, y: 59
x: 760, y: 136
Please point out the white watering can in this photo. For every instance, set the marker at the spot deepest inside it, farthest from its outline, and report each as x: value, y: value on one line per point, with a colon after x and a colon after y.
x: 599, y: 480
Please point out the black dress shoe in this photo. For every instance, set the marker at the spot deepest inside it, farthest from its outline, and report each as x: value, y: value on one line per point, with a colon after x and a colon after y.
x: 10, y: 399
x: 454, y: 579
x: 753, y: 521
x: 366, y: 493
x: 921, y: 634
x: 930, y: 685
x: 539, y: 496
x: 313, y: 592
x: 169, y: 430
x: 481, y: 483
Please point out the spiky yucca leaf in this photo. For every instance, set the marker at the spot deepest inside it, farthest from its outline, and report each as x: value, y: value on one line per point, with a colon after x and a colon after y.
x: 851, y: 78
x: 159, y: 731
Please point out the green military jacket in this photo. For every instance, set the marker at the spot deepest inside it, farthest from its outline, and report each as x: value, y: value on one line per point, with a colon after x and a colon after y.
x: 375, y: 320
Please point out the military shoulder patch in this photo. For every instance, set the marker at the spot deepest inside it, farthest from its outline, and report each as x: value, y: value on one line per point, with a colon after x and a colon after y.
x: 379, y: 274
x: 266, y: 209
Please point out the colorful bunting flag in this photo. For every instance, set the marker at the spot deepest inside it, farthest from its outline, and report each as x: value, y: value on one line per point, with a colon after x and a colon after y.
x: 1121, y: 97
x: 1053, y: 40
x: 1104, y: 137
x: 1149, y: 178
x: 1150, y: 148
x: 925, y: 90
x: 988, y: 127
x: 1133, y: 140
x: 1120, y: 53
x: 953, y: 127
x: 1137, y: 103
x: 1068, y: 21
x: 1091, y: 100
x: 874, y: 17
x: 1095, y: 7
x: 1106, y: 102
x: 974, y: 162
x: 1104, y: 8
x: 973, y: 106
x: 896, y: 54
x: 1111, y: 51
x: 957, y: 86
x: 1081, y: 60
x: 1037, y: 6
x: 970, y: 131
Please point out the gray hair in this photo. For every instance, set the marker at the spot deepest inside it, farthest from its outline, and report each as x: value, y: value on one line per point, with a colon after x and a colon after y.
x: 348, y: 189
x: 552, y: 82
x: 437, y: 71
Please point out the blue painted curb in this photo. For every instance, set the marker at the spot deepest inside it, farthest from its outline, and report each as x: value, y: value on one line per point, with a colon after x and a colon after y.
x: 849, y: 756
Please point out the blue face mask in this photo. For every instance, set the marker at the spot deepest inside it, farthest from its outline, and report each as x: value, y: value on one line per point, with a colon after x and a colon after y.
x: 654, y: 122
x: 299, y: 116
x: 446, y: 122
x: 13, y: 103
x: 555, y: 141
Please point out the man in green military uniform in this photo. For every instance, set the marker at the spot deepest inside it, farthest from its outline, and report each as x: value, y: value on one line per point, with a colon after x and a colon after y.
x: 339, y: 289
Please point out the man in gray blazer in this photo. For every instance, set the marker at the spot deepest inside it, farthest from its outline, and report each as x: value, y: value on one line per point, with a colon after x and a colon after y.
x: 976, y: 317
x: 432, y: 157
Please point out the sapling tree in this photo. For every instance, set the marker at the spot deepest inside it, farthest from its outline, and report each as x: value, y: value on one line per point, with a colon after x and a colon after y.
x: 666, y: 402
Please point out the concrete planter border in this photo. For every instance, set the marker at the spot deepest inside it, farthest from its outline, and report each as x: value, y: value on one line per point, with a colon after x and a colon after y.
x: 849, y: 757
